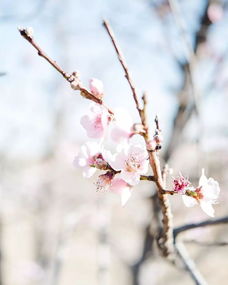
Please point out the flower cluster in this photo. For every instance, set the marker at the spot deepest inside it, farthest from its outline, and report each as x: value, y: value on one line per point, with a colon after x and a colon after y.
x: 124, y: 168
x: 205, y: 194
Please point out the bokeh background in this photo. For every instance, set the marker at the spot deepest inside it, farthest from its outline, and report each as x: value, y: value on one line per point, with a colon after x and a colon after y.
x: 54, y: 227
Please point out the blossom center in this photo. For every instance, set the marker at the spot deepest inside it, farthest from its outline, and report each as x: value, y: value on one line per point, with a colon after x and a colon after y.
x: 132, y: 164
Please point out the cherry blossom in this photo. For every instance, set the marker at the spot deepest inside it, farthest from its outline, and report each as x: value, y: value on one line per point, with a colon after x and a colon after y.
x: 120, y: 187
x: 122, y: 126
x: 131, y: 161
x: 111, y: 181
x: 96, y: 87
x: 180, y: 184
x: 206, y: 194
x: 89, y: 158
x: 104, y: 181
x: 96, y: 121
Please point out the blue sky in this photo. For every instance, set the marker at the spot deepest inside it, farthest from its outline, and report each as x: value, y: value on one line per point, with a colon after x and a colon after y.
x: 72, y: 34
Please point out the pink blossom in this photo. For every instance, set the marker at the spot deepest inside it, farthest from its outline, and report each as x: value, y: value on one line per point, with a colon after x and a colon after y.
x: 121, y: 126
x: 96, y: 121
x: 88, y: 158
x: 120, y: 187
x: 96, y: 87
x: 131, y: 161
x: 206, y: 194
x: 104, y: 181
x: 112, y: 182
x: 180, y: 184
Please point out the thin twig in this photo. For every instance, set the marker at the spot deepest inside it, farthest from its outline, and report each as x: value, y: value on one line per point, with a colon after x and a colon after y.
x: 71, y: 78
x: 123, y: 63
x: 41, y: 53
x: 148, y: 178
x: 206, y: 223
x: 190, y: 54
x: 205, y: 243
x: 189, y: 265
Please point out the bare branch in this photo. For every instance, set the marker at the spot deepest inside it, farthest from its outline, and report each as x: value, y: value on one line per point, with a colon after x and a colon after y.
x: 153, y: 158
x: 148, y: 178
x: 189, y: 264
x: 122, y: 62
x: 219, y: 221
x: 205, y: 243
x: 71, y: 78
x: 190, y: 54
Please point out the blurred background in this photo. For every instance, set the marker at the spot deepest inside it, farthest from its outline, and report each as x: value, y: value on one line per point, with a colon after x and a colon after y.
x: 55, y: 228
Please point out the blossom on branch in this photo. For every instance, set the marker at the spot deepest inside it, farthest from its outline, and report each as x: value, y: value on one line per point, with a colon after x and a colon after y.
x: 89, y: 158
x: 96, y: 121
x: 111, y: 181
x: 206, y: 194
x: 131, y: 161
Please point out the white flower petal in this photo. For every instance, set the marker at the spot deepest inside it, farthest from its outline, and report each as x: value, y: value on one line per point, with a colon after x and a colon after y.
x: 93, y: 148
x: 118, y: 161
x: 125, y: 195
x: 203, y: 179
x: 131, y: 178
x: 207, y: 208
x: 81, y: 161
x: 189, y: 201
x: 88, y: 172
x: 211, y: 190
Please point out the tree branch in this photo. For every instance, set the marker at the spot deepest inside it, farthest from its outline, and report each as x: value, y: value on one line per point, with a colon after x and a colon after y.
x: 153, y: 158
x: 206, y: 243
x: 189, y: 265
x: 71, y: 78
x: 122, y: 62
x: 218, y: 221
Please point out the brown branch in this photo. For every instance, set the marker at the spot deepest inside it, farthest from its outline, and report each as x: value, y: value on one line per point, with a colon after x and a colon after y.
x: 123, y: 63
x: 218, y: 221
x: 148, y: 178
x: 71, y: 78
x: 185, y: 109
x: 165, y: 240
x: 153, y: 158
